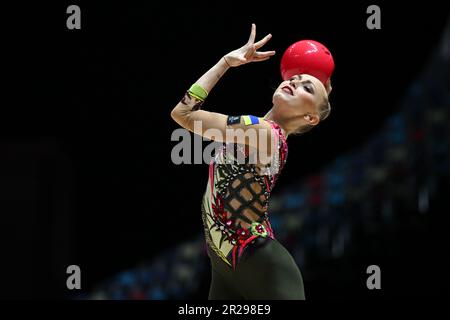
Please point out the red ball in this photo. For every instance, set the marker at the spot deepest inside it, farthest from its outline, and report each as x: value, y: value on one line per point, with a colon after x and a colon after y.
x: 310, y: 57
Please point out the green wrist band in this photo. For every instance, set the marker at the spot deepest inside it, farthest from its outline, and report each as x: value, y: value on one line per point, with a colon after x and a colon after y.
x: 198, y: 92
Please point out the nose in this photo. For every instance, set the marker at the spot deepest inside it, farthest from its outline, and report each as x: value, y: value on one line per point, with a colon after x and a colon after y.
x: 293, y: 83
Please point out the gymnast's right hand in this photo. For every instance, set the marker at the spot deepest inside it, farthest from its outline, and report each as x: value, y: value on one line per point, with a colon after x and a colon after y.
x: 248, y: 52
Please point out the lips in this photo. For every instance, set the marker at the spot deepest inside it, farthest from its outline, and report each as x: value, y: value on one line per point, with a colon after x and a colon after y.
x: 288, y: 89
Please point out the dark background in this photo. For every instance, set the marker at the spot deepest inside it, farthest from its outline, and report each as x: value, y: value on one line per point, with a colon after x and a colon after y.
x: 86, y: 173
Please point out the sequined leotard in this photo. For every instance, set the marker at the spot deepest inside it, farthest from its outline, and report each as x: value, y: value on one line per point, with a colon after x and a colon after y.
x: 234, y: 206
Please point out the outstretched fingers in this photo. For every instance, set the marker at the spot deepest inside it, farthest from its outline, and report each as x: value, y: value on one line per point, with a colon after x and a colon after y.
x: 262, y: 56
x: 263, y: 41
x: 259, y: 54
x: 251, y: 39
x: 260, y: 59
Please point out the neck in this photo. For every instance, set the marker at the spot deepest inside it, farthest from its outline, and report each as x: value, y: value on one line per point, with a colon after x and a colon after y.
x: 270, y: 116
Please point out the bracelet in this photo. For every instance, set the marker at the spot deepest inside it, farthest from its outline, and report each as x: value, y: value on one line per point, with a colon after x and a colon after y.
x: 198, y: 92
x: 226, y: 61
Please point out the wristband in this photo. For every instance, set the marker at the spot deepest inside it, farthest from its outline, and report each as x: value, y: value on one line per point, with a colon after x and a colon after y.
x: 198, y: 92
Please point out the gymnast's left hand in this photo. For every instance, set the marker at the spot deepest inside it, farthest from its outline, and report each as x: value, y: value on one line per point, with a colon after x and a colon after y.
x: 248, y: 52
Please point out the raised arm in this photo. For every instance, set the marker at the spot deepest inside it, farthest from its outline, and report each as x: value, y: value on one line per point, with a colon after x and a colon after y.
x: 187, y: 111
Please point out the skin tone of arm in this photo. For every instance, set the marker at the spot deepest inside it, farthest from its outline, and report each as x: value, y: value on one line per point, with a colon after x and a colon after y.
x: 186, y: 112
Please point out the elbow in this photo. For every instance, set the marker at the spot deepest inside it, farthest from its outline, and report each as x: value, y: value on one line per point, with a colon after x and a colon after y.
x: 174, y: 114
x: 180, y: 116
x: 177, y: 116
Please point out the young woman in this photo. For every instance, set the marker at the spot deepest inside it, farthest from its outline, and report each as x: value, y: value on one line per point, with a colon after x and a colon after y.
x: 247, y: 261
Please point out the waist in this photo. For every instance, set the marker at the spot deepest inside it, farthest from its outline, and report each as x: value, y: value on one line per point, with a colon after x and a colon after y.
x: 237, y: 258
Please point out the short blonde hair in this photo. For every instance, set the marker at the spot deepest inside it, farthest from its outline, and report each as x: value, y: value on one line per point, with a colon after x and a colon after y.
x: 324, y: 112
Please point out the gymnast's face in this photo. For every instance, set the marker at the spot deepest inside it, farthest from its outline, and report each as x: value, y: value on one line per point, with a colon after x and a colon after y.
x: 299, y: 96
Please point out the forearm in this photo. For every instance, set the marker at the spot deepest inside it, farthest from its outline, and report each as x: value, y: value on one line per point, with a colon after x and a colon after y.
x: 212, y: 76
x: 182, y: 111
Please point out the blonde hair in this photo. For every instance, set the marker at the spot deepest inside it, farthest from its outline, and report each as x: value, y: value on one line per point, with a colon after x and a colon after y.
x: 324, y: 112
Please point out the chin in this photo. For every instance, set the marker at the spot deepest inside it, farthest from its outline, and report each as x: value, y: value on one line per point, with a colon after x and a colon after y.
x: 279, y: 99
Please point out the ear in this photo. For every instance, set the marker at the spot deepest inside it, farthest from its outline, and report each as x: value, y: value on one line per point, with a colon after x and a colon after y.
x: 312, y: 119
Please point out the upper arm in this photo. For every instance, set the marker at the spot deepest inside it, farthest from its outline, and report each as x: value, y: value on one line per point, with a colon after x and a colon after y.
x: 250, y: 130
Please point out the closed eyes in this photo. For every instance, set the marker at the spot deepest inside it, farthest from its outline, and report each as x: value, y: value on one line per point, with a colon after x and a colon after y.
x: 308, y: 86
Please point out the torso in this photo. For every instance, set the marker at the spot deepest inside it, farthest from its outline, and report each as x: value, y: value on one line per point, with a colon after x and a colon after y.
x: 234, y: 207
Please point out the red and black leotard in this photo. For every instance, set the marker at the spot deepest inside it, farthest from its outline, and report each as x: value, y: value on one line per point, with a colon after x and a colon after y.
x: 234, y: 207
